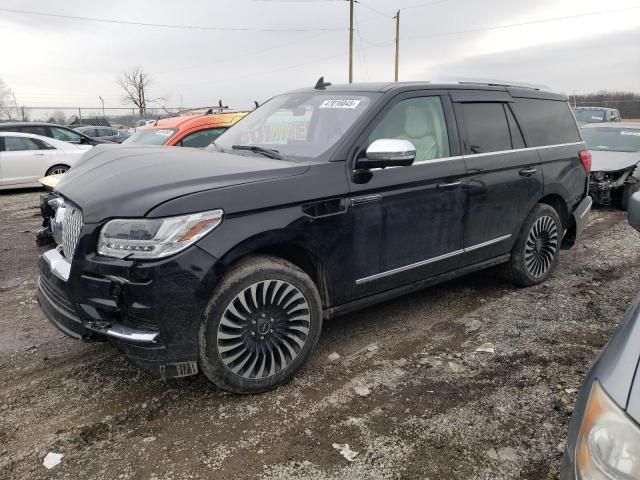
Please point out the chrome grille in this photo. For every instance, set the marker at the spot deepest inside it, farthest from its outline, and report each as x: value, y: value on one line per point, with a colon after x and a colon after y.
x: 71, y: 227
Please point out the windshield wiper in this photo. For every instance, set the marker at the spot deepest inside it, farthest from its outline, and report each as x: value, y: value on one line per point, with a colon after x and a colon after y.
x: 267, y: 152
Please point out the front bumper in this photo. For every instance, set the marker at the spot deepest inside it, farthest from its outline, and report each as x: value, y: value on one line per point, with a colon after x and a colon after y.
x: 149, y: 311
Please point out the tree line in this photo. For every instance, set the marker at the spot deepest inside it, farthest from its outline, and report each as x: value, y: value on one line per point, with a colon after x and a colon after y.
x: 628, y: 103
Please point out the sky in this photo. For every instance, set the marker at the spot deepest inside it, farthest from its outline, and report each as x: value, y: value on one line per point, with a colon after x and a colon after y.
x: 245, y: 50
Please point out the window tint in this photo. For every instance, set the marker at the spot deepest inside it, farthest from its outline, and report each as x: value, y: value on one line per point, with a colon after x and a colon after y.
x: 35, y: 130
x: 17, y: 144
x: 43, y: 145
x: 486, y: 125
x: 202, y: 138
x: 104, y: 132
x: 546, y: 122
x: 419, y: 120
x: 66, y: 135
x: 516, y: 134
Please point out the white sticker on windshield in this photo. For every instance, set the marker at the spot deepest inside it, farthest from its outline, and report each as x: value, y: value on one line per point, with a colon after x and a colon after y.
x: 340, y: 103
x: 164, y: 133
x: 635, y: 134
x: 594, y: 117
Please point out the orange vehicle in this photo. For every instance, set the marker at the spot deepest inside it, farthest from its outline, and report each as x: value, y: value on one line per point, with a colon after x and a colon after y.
x: 185, y: 131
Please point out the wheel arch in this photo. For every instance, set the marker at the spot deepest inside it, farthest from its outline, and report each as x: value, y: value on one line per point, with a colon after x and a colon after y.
x: 56, y: 165
x: 280, y: 245
x: 559, y: 204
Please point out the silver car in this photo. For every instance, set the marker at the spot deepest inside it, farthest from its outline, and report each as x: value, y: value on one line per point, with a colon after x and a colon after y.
x: 615, y: 150
x: 604, y: 434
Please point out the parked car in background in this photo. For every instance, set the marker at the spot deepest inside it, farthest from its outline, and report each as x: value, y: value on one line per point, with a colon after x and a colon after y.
x: 615, y: 150
x: 185, y: 131
x: 596, y: 115
x: 103, y: 133
x: 51, y: 130
x: 139, y: 124
x: 25, y: 157
x: 227, y: 261
x: 604, y: 433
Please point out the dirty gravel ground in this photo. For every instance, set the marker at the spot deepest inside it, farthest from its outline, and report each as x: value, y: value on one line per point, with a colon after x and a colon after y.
x: 435, y: 409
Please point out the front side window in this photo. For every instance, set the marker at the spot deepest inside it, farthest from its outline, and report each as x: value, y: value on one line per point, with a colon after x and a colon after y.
x: 546, y: 122
x: 153, y: 136
x: 19, y: 144
x: 35, y: 130
x: 419, y: 120
x: 66, y: 135
x: 612, y: 139
x: 202, y: 138
x: 299, y: 125
x: 486, y: 126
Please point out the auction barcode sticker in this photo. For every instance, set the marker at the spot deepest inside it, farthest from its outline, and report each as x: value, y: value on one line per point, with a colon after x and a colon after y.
x: 340, y: 103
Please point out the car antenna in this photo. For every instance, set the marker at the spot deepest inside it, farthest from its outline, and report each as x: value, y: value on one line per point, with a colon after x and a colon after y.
x: 256, y: 103
x: 156, y: 124
x: 321, y: 84
x: 222, y: 107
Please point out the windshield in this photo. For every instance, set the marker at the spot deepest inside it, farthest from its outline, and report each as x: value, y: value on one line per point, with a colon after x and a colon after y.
x: 153, y: 136
x: 299, y: 125
x: 612, y: 139
x: 588, y: 115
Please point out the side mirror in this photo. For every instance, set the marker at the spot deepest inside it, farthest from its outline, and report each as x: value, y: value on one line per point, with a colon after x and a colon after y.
x: 633, y: 211
x: 388, y: 152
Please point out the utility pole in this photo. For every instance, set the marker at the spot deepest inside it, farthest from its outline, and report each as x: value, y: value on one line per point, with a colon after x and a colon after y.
x: 350, y: 41
x: 397, y: 17
x: 102, y: 100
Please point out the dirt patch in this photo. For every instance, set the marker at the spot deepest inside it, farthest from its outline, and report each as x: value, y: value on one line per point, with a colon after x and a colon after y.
x: 435, y: 408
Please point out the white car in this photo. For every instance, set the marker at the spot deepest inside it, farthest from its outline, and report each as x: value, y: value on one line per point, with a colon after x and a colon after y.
x: 25, y: 157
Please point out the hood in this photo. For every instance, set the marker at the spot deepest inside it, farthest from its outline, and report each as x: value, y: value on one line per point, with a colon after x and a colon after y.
x: 603, y: 161
x: 129, y: 181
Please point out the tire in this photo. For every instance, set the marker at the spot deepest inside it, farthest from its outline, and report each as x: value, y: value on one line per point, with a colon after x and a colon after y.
x: 57, y: 169
x: 535, y: 254
x: 261, y: 325
x: 631, y: 186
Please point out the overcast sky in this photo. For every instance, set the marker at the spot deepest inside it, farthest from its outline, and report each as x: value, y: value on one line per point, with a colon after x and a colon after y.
x: 57, y: 61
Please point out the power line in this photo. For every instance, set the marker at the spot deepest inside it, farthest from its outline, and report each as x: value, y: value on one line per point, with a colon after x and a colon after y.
x: 368, y: 7
x: 167, y: 25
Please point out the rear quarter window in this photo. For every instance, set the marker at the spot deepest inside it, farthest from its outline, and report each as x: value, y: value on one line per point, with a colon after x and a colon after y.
x: 546, y: 122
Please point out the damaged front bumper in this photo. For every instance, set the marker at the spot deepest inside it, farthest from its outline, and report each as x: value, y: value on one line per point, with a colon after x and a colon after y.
x: 606, y: 187
x: 151, y: 312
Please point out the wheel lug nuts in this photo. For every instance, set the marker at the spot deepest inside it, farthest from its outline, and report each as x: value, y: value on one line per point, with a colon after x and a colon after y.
x: 253, y: 334
x: 261, y: 337
x: 253, y: 322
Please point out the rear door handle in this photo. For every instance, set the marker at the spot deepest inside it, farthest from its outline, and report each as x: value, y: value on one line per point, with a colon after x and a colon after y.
x: 527, y: 172
x: 449, y: 186
x: 39, y: 154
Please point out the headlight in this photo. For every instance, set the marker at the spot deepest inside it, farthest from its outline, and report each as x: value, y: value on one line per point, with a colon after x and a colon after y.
x: 609, y: 441
x: 155, y: 237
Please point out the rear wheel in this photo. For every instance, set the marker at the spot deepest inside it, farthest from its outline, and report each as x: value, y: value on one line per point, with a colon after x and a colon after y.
x: 535, y: 253
x: 261, y: 325
x: 57, y: 169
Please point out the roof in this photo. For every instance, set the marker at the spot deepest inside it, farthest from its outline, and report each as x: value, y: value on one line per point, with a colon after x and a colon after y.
x: 189, y: 121
x: 29, y: 124
x: 516, y: 90
x: 593, y: 108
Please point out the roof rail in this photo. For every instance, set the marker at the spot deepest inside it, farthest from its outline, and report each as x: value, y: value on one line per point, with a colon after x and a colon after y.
x: 490, y: 83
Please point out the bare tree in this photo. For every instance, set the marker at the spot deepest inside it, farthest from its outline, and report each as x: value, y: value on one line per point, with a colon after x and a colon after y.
x: 24, y: 113
x: 58, y: 117
x: 6, y: 101
x: 135, y: 82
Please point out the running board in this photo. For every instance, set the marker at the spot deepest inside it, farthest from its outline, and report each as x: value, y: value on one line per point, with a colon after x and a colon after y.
x: 412, y: 287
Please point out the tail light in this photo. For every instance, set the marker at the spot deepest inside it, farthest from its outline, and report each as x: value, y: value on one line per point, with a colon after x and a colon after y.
x: 585, y: 158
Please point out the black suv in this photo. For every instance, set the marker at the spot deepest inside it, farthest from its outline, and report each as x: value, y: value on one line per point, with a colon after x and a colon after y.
x: 51, y: 130
x: 320, y: 202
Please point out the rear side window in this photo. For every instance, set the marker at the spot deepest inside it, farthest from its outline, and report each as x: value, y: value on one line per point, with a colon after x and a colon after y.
x: 546, y: 122
x: 486, y: 126
x: 35, y: 130
x: 19, y: 144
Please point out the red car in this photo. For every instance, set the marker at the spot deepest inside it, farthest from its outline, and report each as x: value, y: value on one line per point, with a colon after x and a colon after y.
x: 185, y: 131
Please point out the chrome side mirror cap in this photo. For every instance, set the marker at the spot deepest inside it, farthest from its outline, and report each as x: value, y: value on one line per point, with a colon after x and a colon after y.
x: 388, y: 152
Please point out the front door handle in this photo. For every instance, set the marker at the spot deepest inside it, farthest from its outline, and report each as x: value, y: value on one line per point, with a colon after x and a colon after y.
x: 449, y: 186
x: 527, y: 172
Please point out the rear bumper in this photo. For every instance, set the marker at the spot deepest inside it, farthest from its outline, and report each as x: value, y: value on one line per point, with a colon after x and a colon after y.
x: 581, y: 215
x: 154, y: 322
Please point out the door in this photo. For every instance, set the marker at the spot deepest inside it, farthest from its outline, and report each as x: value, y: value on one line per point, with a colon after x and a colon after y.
x: 23, y: 160
x: 504, y: 177
x: 408, y: 221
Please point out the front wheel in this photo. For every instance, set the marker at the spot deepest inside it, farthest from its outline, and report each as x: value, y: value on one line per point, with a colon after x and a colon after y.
x: 535, y: 253
x: 57, y: 169
x: 261, y: 325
